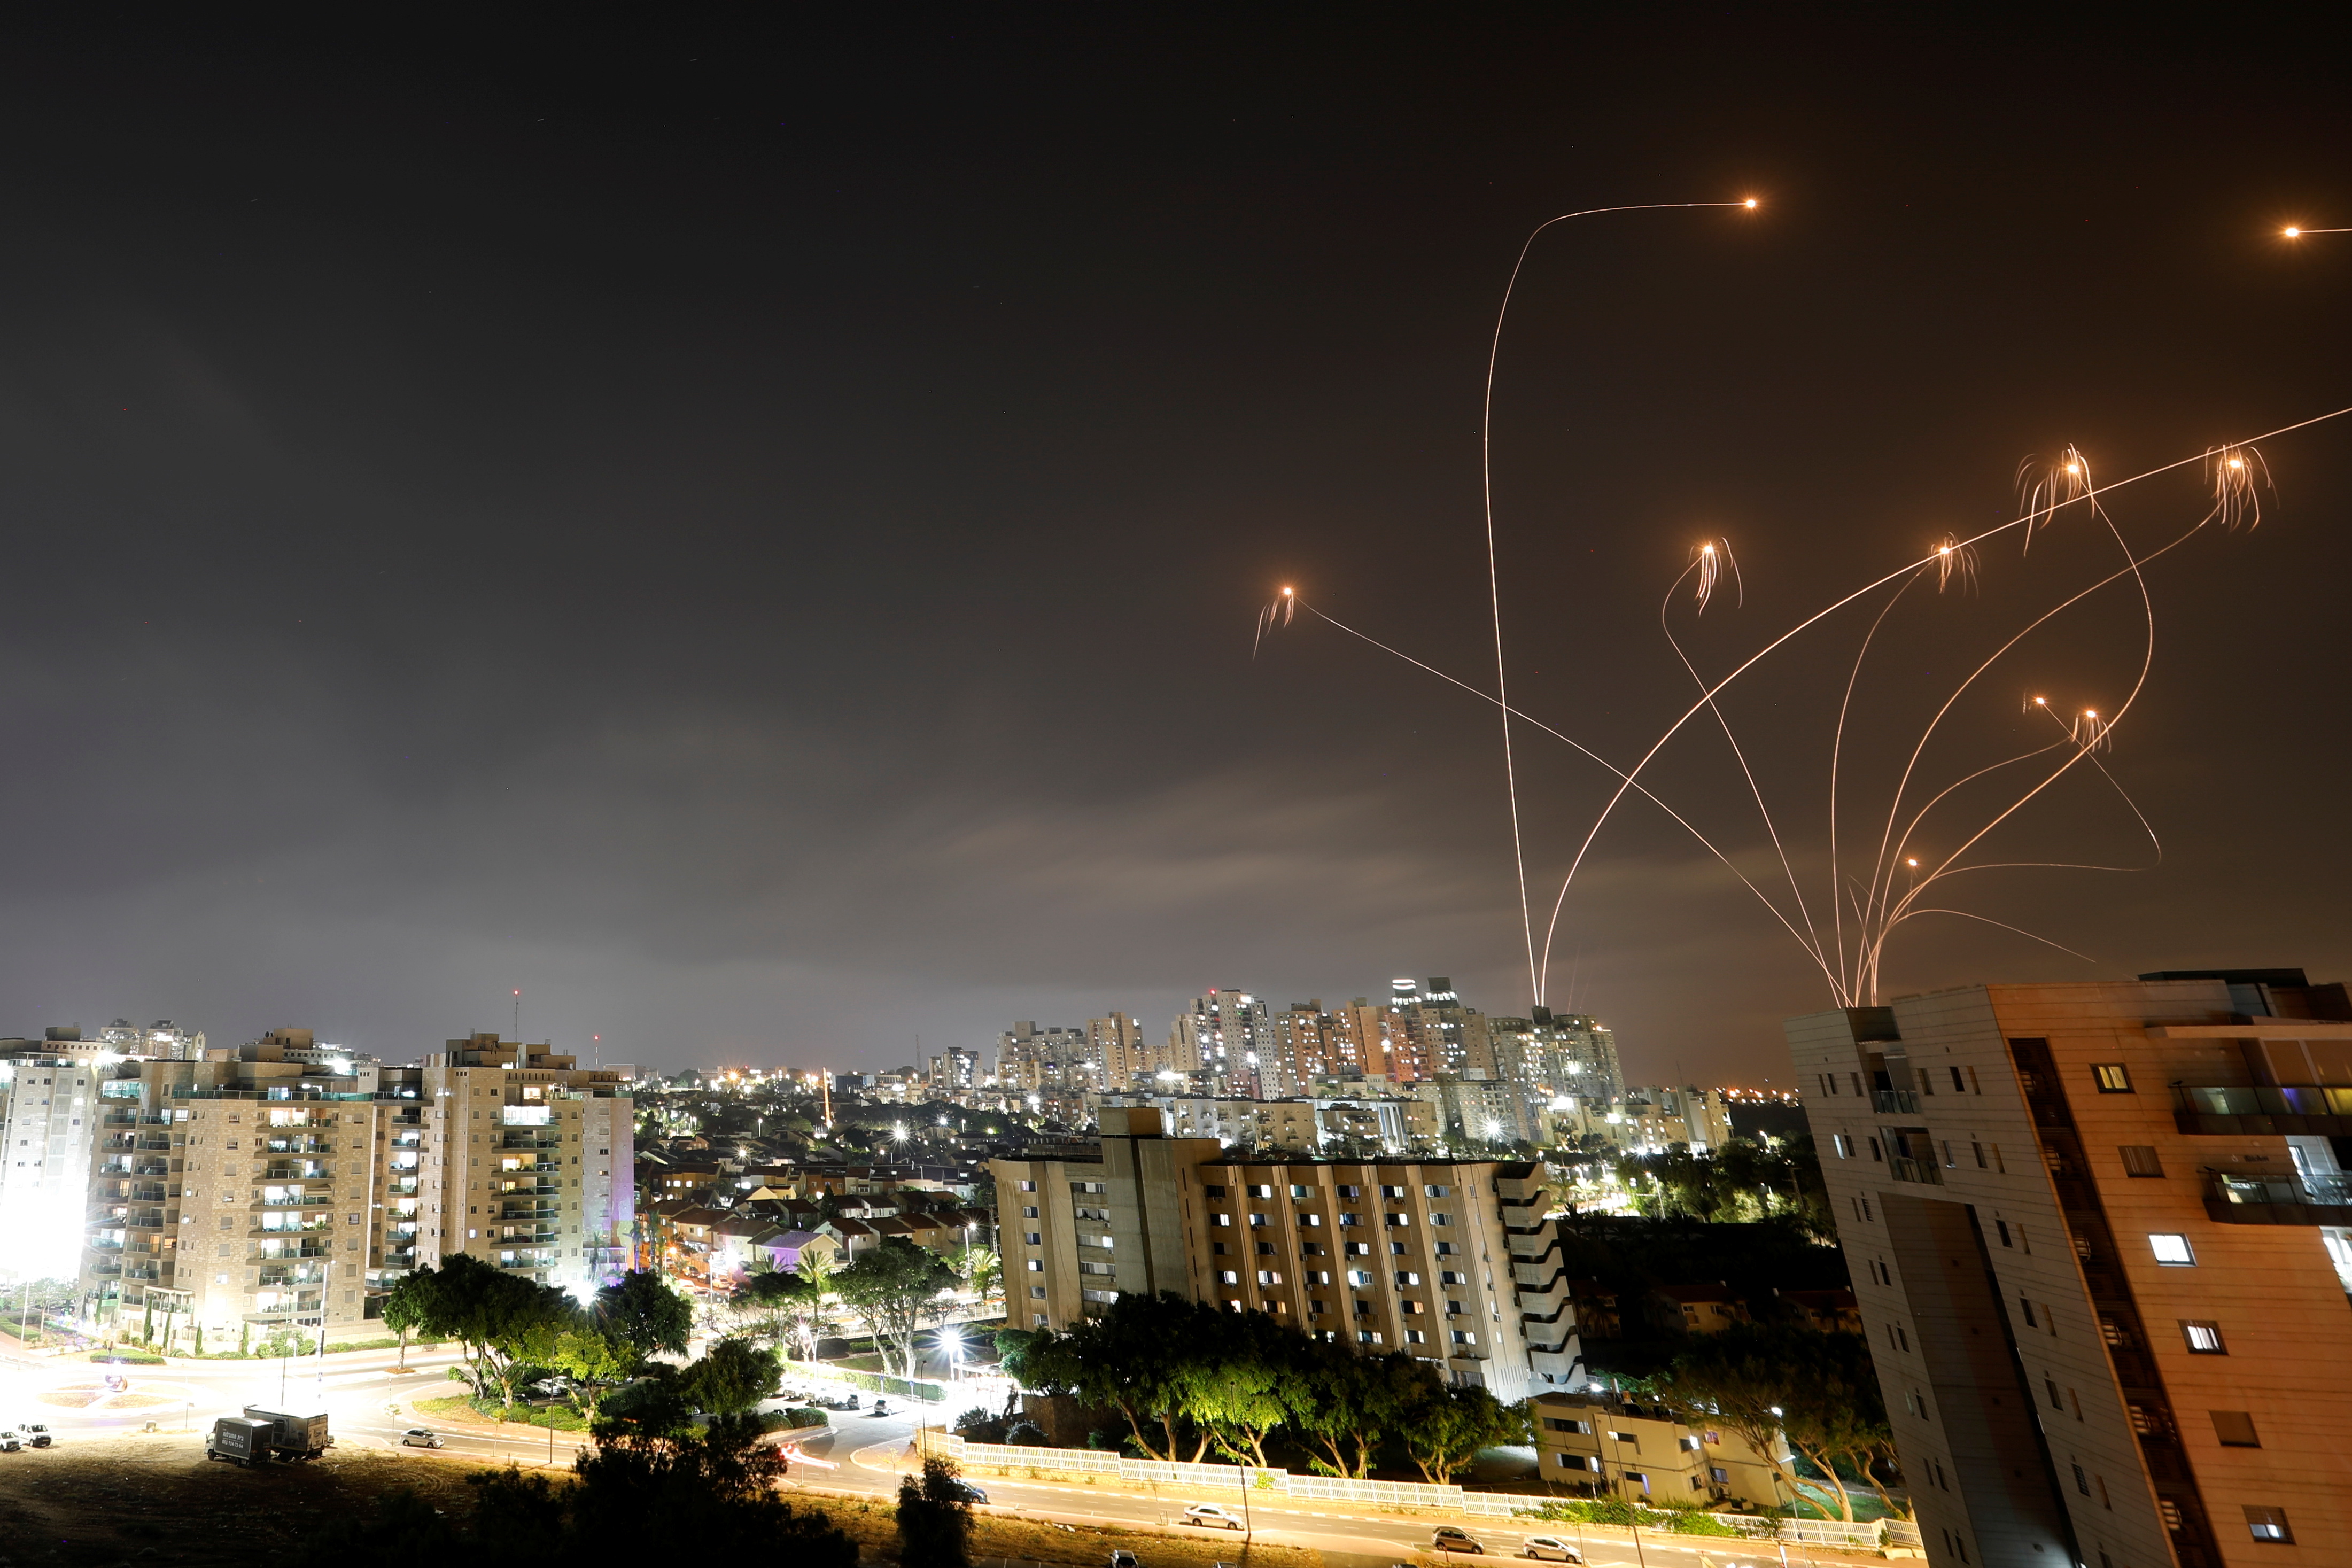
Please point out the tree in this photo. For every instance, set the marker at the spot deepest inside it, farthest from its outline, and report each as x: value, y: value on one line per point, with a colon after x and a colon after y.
x: 1243, y: 1379
x: 505, y: 1321
x: 1443, y: 1428
x: 1348, y: 1404
x: 892, y: 1287
x: 983, y: 1272
x: 1133, y: 1359
x: 590, y: 1359
x: 934, y: 1519
x: 1831, y: 1409
x: 794, y: 1305
x: 1736, y: 1379
x: 645, y: 1314
x: 405, y: 1306
x: 732, y: 1377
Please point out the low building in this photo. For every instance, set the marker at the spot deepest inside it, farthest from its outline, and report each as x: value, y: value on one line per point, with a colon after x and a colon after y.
x: 1596, y: 1444
x: 1837, y: 1311
x: 1706, y: 1308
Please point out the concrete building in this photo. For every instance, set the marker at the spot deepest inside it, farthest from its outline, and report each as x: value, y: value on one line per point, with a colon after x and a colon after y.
x: 1647, y: 1121
x: 282, y: 1183
x: 1116, y: 1042
x: 1452, y: 1262
x: 1031, y: 1060
x: 1597, y: 1443
x: 527, y: 1161
x: 2101, y: 1238
x: 48, y: 1128
x: 1228, y: 1034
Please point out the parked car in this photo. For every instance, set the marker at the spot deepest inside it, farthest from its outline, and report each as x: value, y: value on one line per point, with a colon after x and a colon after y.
x: 420, y: 1438
x: 1550, y: 1546
x: 9, y: 1441
x: 1451, y: 1538
x: 35, y: 1434
x: 881, y: 1407
x: 967, y: 1492
x: 1210, y: 1515
x: 1124, y: 1559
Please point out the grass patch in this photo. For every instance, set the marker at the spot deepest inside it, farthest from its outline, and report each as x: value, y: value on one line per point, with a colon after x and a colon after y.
x: 459, y: 1405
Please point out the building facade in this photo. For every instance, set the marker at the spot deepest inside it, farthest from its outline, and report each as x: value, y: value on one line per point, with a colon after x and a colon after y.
x: 283, y: 1185
x: 2102, y: 1235
x: 1451, y: 1262
x: 1599, y: 1444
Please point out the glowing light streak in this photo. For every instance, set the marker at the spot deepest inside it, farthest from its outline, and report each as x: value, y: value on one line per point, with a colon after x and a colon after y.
x: 1494, y: 566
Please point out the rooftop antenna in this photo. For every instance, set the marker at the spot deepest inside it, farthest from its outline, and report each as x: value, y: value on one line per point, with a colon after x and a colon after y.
x: 518, y: 1014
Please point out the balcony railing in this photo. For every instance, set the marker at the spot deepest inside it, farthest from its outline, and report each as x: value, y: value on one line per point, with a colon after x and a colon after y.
x: 295, y: 1201
x: 149, y: 1192
x: 1904, y: 1170
x: 290, y: 1222
x: 277, y: 1278
x: 2315, y: 1199
x: 2263, y: 1109
x: 303, y: 1145
x: 1894, y: 1100
x: 530, y: 1140
x: 296, y: 1170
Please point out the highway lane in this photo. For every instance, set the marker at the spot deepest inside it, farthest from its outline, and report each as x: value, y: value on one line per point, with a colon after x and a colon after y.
x: 363, y: 1395
x: 879, y: 1457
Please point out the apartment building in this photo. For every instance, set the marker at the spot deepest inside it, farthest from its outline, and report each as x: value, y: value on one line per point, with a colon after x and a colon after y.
x: 527, y: 1160
x: 1647, y: 1120
x: 1597, y: 1443
x: 2101, y: 1234
x: 281, y: 1183
x: 1450, y: 1261
x: 49, y: 1127
x: 229, y: 1197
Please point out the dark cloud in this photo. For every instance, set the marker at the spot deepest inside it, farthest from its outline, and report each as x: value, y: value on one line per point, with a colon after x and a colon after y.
x: 753, y: 536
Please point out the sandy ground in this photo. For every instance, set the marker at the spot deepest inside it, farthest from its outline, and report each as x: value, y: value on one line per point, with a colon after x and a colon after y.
x: 155, y: 1499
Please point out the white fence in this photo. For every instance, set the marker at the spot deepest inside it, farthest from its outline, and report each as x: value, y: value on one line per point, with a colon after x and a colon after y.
x: 1215, y: 1480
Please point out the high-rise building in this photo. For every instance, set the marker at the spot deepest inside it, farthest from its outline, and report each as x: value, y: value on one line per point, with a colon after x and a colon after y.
x: 1031, y: 1060
x: 49, y: 1126
x: 1452, y: 1262
x: 2103, y: 1244
x: 535, y: 1168
x: 1229, y: 1036
x: 1116, y: 1042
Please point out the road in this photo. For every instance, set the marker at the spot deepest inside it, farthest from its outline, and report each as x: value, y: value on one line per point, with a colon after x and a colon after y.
x: 867, y: 1455
x: 362, y: 1393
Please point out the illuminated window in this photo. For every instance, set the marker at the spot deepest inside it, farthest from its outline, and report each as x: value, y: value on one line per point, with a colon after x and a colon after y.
x: 2112, y: 1078
x: 2173, y: 1249
x: 2204, y: 1338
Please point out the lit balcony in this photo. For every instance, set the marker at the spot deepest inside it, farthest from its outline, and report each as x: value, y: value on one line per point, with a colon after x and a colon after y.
x: 2264, y: 1111
x: 2233, y: 1199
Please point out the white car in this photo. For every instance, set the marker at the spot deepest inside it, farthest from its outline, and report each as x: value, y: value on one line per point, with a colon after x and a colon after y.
x: 420, y: 1438
x: 35, y: 1434
x: 1540, y: 1546
x: 1210, y: 1514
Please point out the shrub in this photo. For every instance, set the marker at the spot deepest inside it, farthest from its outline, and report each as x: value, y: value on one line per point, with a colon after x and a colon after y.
x: 978, y: 1416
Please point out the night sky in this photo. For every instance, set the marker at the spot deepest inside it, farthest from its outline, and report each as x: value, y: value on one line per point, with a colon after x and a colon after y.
x: 754, y: 533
